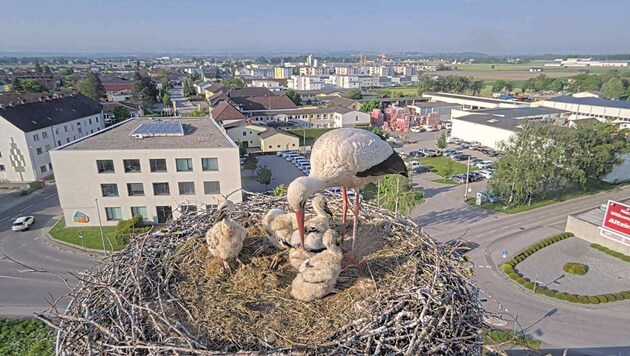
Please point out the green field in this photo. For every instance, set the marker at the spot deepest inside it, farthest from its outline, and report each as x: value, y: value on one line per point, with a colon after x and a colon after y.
x: 91, y: 236
x: 397, y: 91
x: 438, y: 166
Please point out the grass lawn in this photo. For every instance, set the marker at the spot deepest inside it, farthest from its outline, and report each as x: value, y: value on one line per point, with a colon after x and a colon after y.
x: 404, y: 90
x: 308, y: 136
x: 496, y: 336
x: 91, y: 236
x: 592, y: 187
x: 443, y: 181
x: 25, y: 337
x: 438, y: 166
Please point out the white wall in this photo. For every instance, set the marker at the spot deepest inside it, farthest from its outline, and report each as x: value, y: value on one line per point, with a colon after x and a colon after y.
x: 486, y: 135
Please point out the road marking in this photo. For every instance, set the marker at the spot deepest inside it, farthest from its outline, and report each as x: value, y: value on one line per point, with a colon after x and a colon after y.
x: 484, y: 266
x: 50, y: 196
x: 9, y: 277
x: 24, y: 270
x: 26, y: 208
x: 4, y: 219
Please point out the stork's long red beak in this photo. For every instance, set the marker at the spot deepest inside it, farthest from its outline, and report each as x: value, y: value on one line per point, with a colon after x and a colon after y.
x: 299, y: 215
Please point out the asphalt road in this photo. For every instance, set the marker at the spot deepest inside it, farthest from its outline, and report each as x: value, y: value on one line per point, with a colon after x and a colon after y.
x: 23, y: 292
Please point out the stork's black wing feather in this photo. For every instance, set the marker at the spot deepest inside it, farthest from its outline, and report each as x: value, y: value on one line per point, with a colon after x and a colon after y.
x: 394, y: 164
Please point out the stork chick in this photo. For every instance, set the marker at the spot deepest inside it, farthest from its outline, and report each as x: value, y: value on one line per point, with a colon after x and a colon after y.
x: 318, y: 275
x: 225, y: 237
x: 315, y: 227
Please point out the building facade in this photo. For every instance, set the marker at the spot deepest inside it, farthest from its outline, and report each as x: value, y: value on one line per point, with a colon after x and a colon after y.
x: 29, y: 130
x: 135, y: 168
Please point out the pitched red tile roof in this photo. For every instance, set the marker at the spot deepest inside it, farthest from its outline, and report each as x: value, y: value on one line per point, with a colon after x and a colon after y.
x: 225, y: 111
x: 260, y: 103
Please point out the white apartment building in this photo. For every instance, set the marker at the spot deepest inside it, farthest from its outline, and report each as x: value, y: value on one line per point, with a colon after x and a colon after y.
x: 155, y: 168
x: 266, y: 83
x: 300, y: 82
x: 615, y: 111
x: 282, y: 72
x: 32, y: 125
x: 314, y: 71
x: 344, y: 81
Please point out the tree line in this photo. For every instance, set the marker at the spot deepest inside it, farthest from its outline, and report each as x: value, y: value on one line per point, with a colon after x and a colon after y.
x: 450, y: 84
x: 546, y: 159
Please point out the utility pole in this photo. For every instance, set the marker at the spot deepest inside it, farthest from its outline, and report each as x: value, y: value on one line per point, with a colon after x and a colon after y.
x: 100, y: 225
x: 467, y: 179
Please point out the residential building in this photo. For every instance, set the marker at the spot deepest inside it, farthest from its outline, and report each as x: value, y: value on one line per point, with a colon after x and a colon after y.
x: 225, y: 113
x: 47, y: 80
x: 270, y: 84
x: 617, y: 112
x: 262, y: 138
x: 123, y: 95
x: 344, y: 81
x: 156, y: 168
x: 314, y: 71
x: 300, y: 82
x: 30, y: 128
x: 282, y: 72
x: 324, y: 117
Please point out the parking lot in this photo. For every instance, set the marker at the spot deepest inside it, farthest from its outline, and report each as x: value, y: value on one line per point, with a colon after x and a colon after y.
x: 283, y: 172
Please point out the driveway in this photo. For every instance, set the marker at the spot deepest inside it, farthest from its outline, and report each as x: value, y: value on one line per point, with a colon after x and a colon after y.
x: 283, y: 172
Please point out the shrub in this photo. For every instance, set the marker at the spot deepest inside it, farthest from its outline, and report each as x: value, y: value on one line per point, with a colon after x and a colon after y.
x: 575, y: 268
x: 602, y: 299
x: 583, y: 299
x: 619, y: 296
x: 561, y: 296
x: 541, y: 289
x: 626, y: 294
x: 572, y: 298
x: 550, y: 293
x: 529, y: 285
x: 611, y: 298
x: 593, y: 300
x: 507, y: 268
x: 521, y: 280
x: 513, y: 276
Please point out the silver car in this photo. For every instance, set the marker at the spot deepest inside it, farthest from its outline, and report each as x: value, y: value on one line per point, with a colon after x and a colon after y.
x: 23, y: 223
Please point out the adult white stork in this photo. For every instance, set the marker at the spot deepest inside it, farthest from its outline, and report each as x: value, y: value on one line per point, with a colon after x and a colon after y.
x: 346, y: 157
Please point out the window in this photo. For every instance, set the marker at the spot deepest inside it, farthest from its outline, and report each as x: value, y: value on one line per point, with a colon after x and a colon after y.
x: 78, y: 124
x: 44, y: 134
x: 80, y: 130
x: 47, y: 148
x: 140, y: 210
x: 65, y: 128
x: 157, y: 165
x: 244, y: 133
x: 36, y: 137
x: 90, y: 121
x: 161, y: 189
x: 212, y: 187
x: 113, y: 214
x: 211, y: 207
x: 39, y: 150
x: 97, y: 119
x: 209, y: 164
x: 56, y: 131
x: 186, y: 188
x: 50, y: 166
x: 43, y: 169
x: 67, y: 139
x: 184, y: 164
x: 135, y: 189
x: 58, y: 143
x: 105, y: 166
x: 164, y: 213
x: 109, y: 190
x: 131, y: 165
x: 2, y: 169
x: 189, y: 209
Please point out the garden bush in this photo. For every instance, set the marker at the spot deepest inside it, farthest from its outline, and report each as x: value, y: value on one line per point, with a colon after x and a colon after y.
x: 561, y: 296
x: 513, y: 276
x: 541, y: 289
x: 626, y: 294
x: 575, y: 268
x: 550, y: 293
x: 611, y: 298
x: 521, y: 280
x: 572, y: 298
x: 507, y: 268
x: 619, y: 296
x: 602, y: 299
x: 529, y: 285
x: 593, y: 300
x: 583, y: 299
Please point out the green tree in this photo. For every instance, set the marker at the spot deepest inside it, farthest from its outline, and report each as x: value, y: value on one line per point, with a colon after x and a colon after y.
x: 441, y: 141
x: 233, y: 83
x: 166, y: 99
x: 120, y: 113
x: 144, y: 92
x: 355, y: 94
x: 448, y: 168
x: 397, y: 194
x: 294, y: 96
x: 280, y: 190
x: 370, y: 105
x: 166, y: 84
x: 197, y: 113
x: 613, y: 88
x: 263, y: 176
x: 16, y: 86
x: 68, y: 71
x: 499, y: 85
x: 91, y: 87
x: 251, y: 163
x: 31, y: 86
x: 46, y: 69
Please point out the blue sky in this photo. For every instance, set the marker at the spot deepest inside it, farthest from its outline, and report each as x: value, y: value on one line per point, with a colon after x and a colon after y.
x: 489, y: 26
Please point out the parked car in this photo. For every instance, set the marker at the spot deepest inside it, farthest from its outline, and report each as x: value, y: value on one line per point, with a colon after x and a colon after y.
x: 480, y: 164
x: 280, y: 153
x: 297, y: 161
x: 493, y: 154
x: 23, y: 223
x: 417, y: 129
x: 306, y: 170
x: 287, y: 153
x: 475, y: 176
x: 454, y: 153
x: 420, y: 169
x: 428, y: 152
x: 487, y: 196
x: 474, y: 161
x: 431, y: 128
x: 304, y: 164
x: 415, y: 164
x: 416, y: 154
x: 486, y: 173
x: 461, y: 157
x: 459, y: 178
x: 290, y: 156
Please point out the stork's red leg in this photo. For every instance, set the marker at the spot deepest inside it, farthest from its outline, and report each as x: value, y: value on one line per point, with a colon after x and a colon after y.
x: 352, y: 258
x: 344, y: 212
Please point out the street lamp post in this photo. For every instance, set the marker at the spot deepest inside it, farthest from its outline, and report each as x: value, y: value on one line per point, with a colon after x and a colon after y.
x: 100, y: 225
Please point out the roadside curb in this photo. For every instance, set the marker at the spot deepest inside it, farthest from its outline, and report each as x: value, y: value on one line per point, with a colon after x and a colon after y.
x: 68, y: 247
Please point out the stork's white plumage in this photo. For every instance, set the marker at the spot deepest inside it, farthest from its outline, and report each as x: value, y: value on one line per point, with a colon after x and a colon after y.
x: 315, y: 227
x: 225, y: 237
x: 346, y: 157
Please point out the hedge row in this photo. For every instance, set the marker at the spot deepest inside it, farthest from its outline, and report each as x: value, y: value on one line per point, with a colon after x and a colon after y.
x: 514, y: 275
x: 608, y: 251
x: 573, y: 298
x: 508, y: 267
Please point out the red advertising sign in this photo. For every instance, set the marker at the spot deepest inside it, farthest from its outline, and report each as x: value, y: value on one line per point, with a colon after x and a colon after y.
x: 617, y: 218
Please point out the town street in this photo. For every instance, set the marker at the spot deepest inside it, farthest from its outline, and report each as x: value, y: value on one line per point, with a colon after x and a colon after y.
x: 22, y: 291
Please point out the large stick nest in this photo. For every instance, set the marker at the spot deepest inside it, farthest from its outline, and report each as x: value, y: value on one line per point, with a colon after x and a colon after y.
x: 166, y: 294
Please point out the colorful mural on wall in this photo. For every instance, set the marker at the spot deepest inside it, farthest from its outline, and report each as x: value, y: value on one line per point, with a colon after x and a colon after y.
x: 80, y: 217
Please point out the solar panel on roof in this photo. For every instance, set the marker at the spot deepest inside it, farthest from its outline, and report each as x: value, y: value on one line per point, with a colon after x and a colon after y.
x: 158, y: 129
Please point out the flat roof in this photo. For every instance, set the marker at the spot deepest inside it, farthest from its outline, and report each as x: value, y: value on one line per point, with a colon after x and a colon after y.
x: 492, y: 121
x: 521, y: 112
x: 435, y: 104
x: 591, y: 101
x: 596, y: 216
x: 475, y: 98
x: 198, y: 133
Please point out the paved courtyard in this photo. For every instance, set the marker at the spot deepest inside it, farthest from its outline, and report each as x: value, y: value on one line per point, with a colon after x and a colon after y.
x: 282, y: 172
x: 606, y: 274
